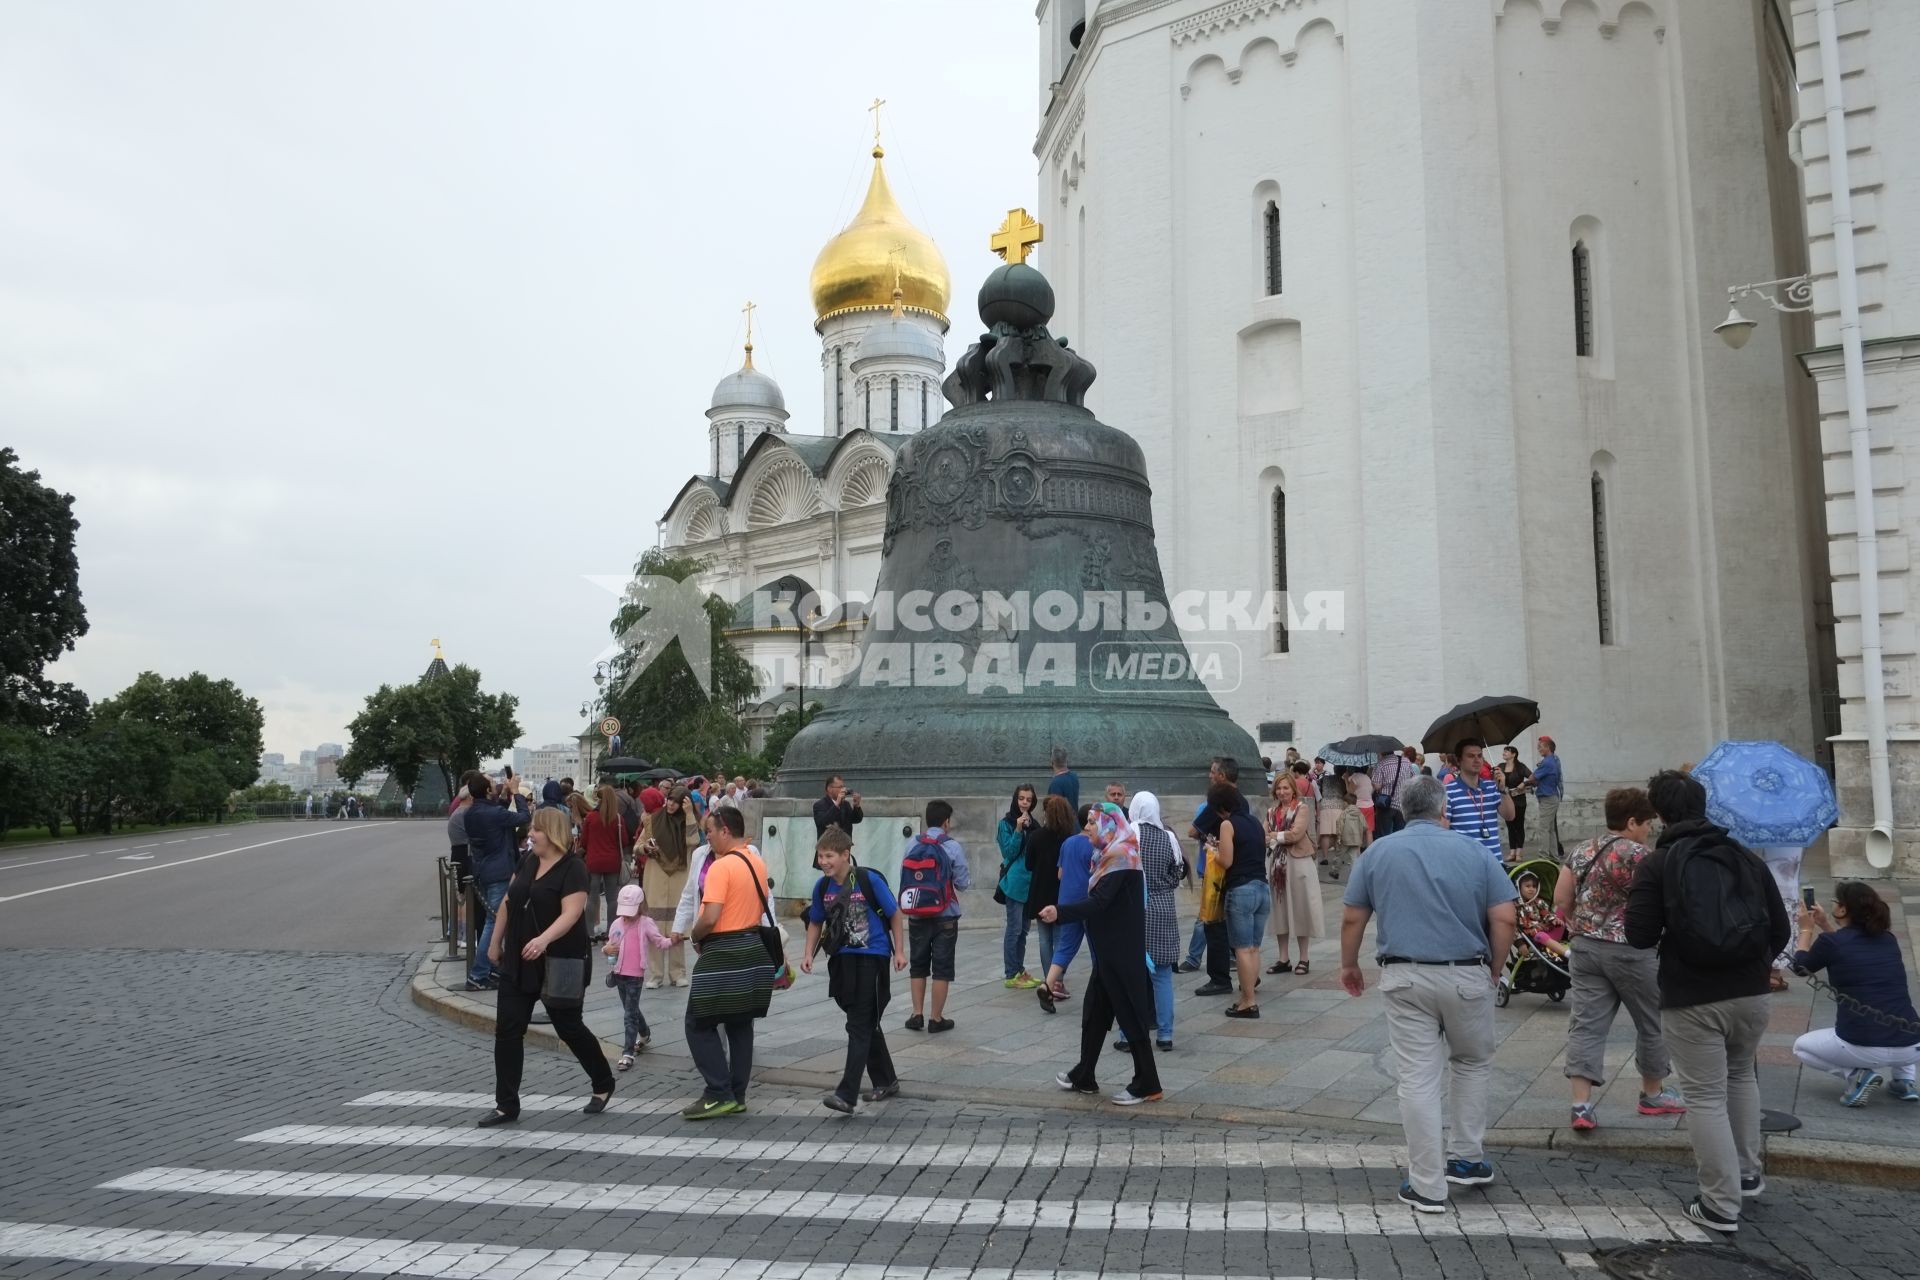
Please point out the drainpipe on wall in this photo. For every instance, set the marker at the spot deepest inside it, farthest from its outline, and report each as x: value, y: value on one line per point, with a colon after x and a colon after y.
x: 1860, y: 443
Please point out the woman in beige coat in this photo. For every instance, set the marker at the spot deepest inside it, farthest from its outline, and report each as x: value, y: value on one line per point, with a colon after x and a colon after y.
x: 667, y: 842
x: 1301, y: 916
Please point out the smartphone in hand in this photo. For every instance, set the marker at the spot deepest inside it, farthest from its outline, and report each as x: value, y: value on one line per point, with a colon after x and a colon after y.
x: 1808, y: 896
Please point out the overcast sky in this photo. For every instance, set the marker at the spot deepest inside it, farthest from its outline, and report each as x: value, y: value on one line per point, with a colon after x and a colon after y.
x: 349, y: 325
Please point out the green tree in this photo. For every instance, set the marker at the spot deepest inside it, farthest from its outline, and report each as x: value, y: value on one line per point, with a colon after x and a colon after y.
x: 41, y: 613
x: 448, y: 723
x: 198, y: 786
x: 266, y: 793
x: 782, y: 731
x: 668, y: 717
x: 199, y: 714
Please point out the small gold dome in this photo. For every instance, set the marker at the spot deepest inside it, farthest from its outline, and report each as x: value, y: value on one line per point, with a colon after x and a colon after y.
x: 857, y: 269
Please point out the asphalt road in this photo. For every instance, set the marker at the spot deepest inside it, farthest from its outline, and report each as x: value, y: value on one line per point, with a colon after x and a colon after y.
x: 284, y: 886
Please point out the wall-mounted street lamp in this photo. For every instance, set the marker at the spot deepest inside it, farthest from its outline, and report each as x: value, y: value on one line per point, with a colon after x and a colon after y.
x: 1794, y: 293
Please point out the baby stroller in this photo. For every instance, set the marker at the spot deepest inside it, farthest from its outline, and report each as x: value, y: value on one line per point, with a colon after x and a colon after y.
x: 1532, y: 967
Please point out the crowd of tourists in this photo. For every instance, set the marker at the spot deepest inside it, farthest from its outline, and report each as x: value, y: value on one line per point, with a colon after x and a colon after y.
x: 1681, y: 929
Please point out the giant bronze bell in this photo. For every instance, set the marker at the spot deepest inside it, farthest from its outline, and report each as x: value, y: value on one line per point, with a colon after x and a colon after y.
x: 1019, y: 493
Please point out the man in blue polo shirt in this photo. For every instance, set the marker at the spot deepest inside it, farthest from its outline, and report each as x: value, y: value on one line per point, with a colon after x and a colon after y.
x: 1547, y: 785
x: 1477, y: 805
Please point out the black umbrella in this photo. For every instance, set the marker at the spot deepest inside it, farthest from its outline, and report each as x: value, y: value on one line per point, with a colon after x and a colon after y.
x: 660, y: 775
x: 1492, y: 720
x: 1368, y: 744
x: 625, y: 764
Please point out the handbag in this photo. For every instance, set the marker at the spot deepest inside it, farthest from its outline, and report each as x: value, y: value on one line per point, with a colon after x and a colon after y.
x: 562, y: 980
x: 1213, y: 893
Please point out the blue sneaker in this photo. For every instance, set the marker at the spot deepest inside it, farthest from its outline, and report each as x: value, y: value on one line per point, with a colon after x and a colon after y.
x: 1420, y: 1203
x: 1469, y: 1173
x: 1860, y: 1085
x: 1903, y: 1091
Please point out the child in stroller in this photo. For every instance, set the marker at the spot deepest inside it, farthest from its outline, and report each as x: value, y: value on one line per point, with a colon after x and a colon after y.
x: 1537, y: 961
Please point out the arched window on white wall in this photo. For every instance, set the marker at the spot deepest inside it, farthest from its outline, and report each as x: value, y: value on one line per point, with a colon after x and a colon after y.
x: 1269, y: 260
x: 839, y: 400
x: 1602, y: 548
x: 866, y: 403
x: 1589, y: 262
x: 923, y: 402
x: 893, y: 414
x: 1282, y: 642
x: 1270, y: 227
x: 1582, y: 299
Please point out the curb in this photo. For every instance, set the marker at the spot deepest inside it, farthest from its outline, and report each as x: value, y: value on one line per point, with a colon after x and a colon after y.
x: 1787, y: 1156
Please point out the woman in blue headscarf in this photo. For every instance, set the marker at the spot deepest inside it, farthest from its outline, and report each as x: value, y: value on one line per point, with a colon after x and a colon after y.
x: 1114, y: 913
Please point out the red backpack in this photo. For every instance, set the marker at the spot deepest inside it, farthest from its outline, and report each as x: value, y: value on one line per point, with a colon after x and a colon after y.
x: 926, y: 879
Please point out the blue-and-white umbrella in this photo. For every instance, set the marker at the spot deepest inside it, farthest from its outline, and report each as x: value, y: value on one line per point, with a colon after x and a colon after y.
x: 1766, y: 794
x: 1332, y: 754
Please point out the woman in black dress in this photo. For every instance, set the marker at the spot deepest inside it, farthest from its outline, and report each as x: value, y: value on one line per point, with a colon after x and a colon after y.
x: 1115, y: 915
x: 1513, y: 773
x: 544, y: 916
x: 1043, y: 871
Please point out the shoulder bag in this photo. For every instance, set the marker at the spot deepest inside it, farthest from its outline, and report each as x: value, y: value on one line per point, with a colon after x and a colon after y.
x: 769, y: 933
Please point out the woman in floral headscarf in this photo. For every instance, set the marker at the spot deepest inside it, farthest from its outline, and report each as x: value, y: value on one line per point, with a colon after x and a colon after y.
x: 1115, y: 915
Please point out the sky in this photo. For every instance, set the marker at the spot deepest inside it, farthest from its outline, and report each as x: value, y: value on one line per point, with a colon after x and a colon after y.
x: 353, y: 325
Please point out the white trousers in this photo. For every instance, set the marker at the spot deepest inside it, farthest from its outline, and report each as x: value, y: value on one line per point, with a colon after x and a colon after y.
x: 1440, y: 1024
x: 1826, y: 1051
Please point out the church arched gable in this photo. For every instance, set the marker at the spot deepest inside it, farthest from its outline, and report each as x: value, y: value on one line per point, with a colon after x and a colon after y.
x: 786, y: 491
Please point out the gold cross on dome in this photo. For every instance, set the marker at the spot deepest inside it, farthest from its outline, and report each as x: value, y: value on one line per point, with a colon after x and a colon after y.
x: 1017, y: 236
x: 875, y: 108
x: 748, y: 311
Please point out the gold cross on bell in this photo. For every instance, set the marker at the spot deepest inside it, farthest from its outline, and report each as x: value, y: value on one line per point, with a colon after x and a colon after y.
x: 1017, y: 236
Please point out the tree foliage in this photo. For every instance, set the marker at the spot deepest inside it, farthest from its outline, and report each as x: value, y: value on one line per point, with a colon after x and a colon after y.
x: 41, y: 613
x: 781, y: 732
x: 448, y: 723
x: 666, y: 716
x: 196, y: 715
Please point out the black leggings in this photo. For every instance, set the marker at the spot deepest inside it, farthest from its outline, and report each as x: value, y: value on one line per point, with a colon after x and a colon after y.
x: 512, y: 1014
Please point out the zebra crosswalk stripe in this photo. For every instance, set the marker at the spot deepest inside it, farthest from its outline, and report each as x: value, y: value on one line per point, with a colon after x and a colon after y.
x: 455, y: 1260
x: 1146, y: 1151
x: 1516, y: 1221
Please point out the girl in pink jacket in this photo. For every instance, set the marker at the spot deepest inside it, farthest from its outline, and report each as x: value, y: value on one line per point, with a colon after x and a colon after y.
x: 627, y: 941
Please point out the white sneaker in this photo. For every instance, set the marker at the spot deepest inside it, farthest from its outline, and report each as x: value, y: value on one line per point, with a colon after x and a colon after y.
x: 1128, y: 1098
x: 679, y: 982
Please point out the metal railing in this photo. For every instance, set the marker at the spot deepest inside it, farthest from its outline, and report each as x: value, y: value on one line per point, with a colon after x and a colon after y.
x: 461, y: 911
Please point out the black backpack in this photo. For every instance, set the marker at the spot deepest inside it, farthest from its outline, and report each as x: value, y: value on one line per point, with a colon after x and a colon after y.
x: 1716, y: 898
x: 841, y: 923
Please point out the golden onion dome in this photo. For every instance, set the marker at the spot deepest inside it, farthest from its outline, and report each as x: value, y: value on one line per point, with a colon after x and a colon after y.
x: 857, y: 269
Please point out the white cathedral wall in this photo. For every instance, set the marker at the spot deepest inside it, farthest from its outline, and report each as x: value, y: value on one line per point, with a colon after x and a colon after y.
x: 1428, y: 270
x: 1880, y: 44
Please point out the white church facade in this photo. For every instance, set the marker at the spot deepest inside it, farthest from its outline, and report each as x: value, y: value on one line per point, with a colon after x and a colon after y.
x: 782, y: 512
x: 1412, y: 301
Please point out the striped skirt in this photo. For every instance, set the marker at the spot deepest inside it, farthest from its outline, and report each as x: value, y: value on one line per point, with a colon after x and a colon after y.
x: 732, y: 980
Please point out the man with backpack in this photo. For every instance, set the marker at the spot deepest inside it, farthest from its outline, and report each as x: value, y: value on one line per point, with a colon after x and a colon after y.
x: 933, y: 870
x: 854, y: 915
x: 1710, y: 905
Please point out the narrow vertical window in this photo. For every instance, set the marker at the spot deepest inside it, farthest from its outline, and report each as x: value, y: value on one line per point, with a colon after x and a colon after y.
x: 1272, y: 224
x: 839, y: 401
x: 1582, y: 299
x: 716, y: 453
x: 739, y: 444
x: 1280, y: 637
x: 923, y: 403
x: 893, y: 414
x: 866, y: 404
x: 1602, y: 570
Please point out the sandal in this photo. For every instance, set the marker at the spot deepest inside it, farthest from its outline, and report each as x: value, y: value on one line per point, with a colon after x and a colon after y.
x: 625, y: 1063
x: 1300, y: 970
x: 1281, y: 967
